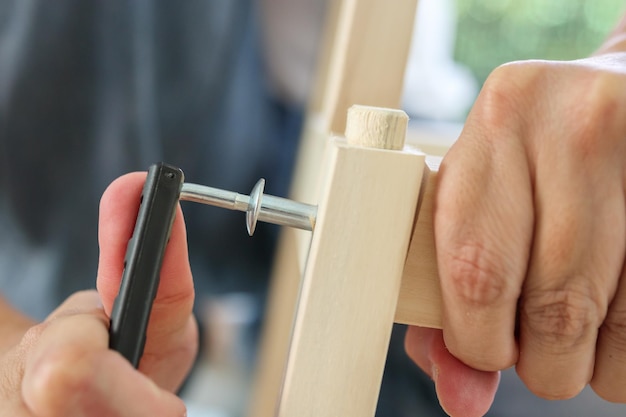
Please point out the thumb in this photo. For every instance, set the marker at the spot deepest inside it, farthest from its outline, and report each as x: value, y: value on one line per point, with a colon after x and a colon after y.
x: 462, y: 391
x: 172, y: 336
x: 66, y: 369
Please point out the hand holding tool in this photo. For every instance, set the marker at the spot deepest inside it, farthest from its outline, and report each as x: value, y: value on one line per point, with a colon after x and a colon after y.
x: 144, y: 255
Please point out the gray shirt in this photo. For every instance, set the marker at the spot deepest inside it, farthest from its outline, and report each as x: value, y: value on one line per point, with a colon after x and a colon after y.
x: 90, y: 90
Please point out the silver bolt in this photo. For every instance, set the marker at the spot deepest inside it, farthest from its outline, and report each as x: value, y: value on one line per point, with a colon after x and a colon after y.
x: 258, y: 206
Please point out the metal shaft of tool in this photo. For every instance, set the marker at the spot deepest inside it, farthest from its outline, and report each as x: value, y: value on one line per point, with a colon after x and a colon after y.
x: 258, y: 206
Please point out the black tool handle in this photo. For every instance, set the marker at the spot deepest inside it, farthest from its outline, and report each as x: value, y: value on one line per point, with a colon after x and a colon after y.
x: 142, y: 265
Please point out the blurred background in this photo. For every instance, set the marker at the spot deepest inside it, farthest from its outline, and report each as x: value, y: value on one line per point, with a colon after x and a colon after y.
x: 491, y: 32
x: 457, y: 43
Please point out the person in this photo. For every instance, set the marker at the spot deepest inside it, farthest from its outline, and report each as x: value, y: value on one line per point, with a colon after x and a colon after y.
x: 548, y: 231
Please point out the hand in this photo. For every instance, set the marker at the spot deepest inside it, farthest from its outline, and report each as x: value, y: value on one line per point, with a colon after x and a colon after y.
x: 530, y: 230
x: 63, y: 367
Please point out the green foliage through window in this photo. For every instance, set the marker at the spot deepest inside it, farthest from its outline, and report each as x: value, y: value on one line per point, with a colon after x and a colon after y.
x: 492, y: 32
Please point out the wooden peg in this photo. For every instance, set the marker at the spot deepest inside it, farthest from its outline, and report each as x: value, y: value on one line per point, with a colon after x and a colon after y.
x: 375, y: 127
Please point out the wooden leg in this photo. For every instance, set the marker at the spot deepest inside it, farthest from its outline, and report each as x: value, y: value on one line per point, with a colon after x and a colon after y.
x: 350, y: 288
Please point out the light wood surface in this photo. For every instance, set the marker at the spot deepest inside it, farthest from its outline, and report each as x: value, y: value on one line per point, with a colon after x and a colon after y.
x: 419, y: 302
x: 368, y: 58
x: 350, y: 288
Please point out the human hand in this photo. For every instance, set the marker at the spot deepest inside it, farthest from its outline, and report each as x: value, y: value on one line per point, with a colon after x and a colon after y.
x: 63, y: 367
x: 530, y: 230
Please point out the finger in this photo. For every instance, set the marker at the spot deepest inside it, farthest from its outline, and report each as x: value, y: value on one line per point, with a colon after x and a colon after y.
x: 172, y: 335
x: 574, y: 269
x: 462, y: 391
x: 80, y: 302
x: 118, y: 212
x: 483, y: 229
x: 610, y: 367
x: 70, y: 371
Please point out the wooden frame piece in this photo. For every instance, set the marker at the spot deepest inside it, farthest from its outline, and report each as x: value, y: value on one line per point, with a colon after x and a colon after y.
x: 350, y: 288
x: 420, y: 295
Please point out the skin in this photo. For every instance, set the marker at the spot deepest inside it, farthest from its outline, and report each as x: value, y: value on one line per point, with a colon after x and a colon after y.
x: 530, y: 231
x: 63, y: 367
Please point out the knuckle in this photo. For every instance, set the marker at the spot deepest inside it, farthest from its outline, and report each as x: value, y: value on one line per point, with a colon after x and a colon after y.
x: 57, y: 378
x: 31, y: 336
x: 56, y: 370
x: 506, y: 89
x: 604, y: 97
x: 517, y: 75
x: 599, y: 115
x: 26, y: 345
x: 560, y: 320
x: 477, y: 277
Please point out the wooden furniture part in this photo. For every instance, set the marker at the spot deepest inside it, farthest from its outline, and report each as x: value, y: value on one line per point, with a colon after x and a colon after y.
x: 420, y: 294
x: 351, y: 283
x: 357, y: 279
x: 367, y: 44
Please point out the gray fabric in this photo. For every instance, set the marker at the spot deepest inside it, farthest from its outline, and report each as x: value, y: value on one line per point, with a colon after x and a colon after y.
x: 90, y: 90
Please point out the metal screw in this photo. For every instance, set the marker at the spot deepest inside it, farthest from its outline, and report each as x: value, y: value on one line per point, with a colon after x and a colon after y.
x: 258, y: 206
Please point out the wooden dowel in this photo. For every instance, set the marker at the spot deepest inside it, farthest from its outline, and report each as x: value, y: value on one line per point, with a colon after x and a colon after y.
x: 376, y: 127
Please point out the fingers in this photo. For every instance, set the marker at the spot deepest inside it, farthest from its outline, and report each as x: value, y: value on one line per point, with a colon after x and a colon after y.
x: 610, y: 368
x: 530, y: 213
x: 80, y: 302
x: 572, y: 276
x: 462, y: 391
x: 578, y: 249
x: 69, y: 370
x: 172, y: 335
x: 483, y: 230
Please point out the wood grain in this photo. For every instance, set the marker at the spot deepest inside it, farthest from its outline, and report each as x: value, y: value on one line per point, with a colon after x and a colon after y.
x: 350, y: 288
x: 419, y: 302
x: 368, y: 59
